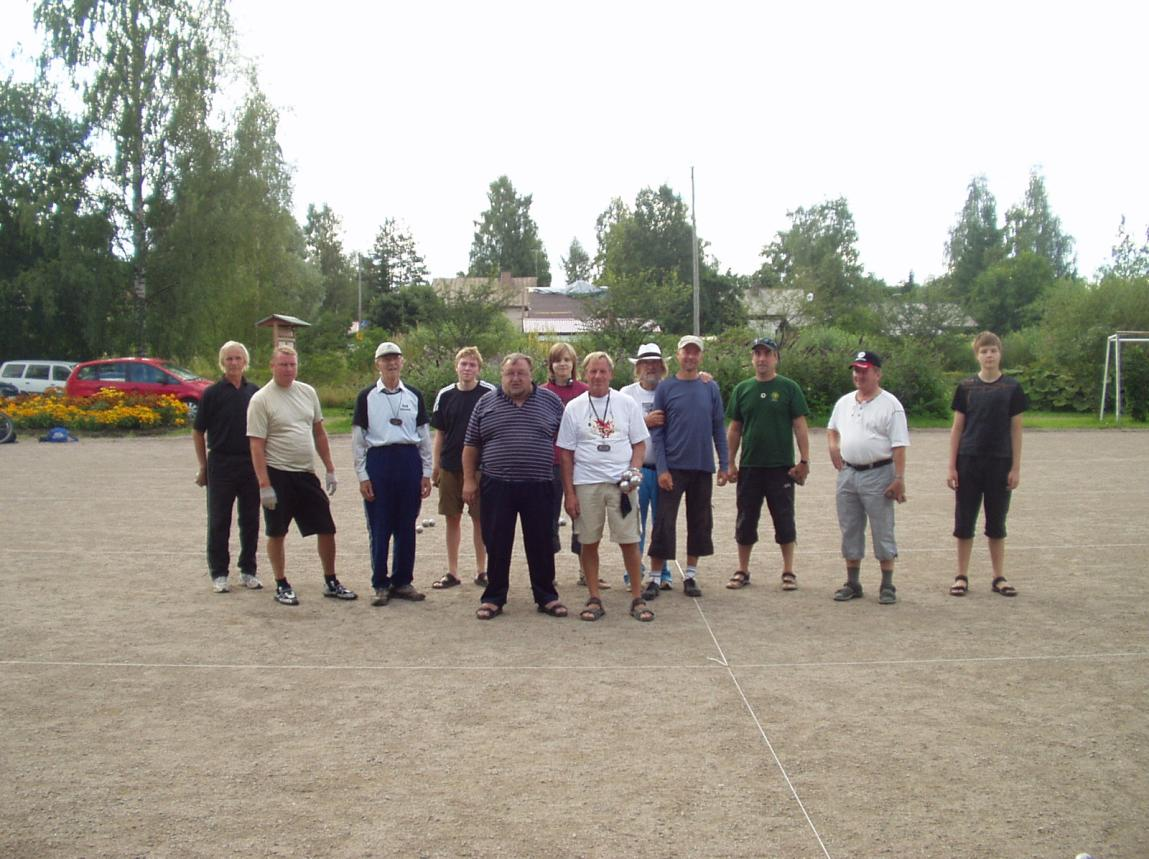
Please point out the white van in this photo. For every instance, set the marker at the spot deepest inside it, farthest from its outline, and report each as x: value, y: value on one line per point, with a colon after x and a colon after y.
x: 35, y: 377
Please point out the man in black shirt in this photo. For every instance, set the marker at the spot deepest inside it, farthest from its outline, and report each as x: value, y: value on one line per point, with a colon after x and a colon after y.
x: 449, y: 417
x: 227, y: 472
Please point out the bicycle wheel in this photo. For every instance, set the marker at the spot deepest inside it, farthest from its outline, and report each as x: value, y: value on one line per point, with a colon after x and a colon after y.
x: 7, y: 429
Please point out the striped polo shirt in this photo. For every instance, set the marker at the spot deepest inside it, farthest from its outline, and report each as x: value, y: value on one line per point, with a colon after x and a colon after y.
x: 516, y: 442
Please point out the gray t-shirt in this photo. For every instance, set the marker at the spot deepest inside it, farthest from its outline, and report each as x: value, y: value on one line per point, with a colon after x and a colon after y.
x: 286, y: 418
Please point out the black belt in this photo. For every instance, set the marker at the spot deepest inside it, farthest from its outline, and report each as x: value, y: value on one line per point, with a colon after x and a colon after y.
x: 651, y: 467
x: 877, y: 464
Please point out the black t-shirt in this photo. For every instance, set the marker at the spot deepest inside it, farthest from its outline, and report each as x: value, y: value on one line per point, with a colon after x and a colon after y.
x: 450, y: 416
x: 988, y: 408
x: 222, y: 416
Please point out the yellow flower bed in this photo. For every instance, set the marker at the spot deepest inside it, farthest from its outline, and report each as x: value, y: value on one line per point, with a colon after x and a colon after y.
x: 110, y: 409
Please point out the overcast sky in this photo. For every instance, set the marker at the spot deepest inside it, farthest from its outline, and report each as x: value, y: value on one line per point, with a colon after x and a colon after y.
x: 410, y: 110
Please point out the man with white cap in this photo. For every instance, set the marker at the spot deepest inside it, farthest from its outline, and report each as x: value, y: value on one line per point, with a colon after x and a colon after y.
x: 649, y: 370
x: 391, y: 443
x: 693, y: 428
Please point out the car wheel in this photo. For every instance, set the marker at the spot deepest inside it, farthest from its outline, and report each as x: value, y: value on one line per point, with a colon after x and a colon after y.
x: 193, y: 408
x: 7, y: 429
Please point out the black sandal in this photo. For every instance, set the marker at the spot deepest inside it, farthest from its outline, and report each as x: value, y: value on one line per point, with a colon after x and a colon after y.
x: 448, y: 581
x: 961, y: 590
x: 554, y: 609
x: 1006, y: 589
x: 639, y: 611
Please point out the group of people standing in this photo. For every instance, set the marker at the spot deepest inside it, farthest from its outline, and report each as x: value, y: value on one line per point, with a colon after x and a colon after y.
x: 620, y: 461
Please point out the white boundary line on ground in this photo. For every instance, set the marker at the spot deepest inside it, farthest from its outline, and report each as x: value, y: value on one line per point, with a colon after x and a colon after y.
x: 761, y: 730
x: 310, y: 666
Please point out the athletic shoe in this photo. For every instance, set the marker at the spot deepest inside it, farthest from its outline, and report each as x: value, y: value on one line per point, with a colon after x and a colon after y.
x: 332, y: 588
x: 219, y: 584
x: 286, y: 596
x: 650, y: 592
x: 382, y: 596
x: 690, y: 588
x: 251, y: 582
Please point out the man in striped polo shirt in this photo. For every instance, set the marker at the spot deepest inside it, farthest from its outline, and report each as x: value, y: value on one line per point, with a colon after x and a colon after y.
x: 511, y: 435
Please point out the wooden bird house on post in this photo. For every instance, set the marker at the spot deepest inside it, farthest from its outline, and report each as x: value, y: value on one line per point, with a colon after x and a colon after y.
x: 282, y: 329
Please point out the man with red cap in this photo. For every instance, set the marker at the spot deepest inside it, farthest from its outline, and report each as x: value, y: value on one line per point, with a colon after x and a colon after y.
x: 868, y: 438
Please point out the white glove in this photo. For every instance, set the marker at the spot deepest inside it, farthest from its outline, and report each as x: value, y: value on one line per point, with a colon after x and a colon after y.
x: 332, y: 483
x: 267, y: 497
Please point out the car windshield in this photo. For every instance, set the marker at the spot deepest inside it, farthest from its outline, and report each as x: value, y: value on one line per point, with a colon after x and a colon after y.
x: 184, y: 374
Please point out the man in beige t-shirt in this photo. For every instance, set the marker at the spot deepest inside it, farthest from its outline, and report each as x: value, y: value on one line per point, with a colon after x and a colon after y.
x: 285, y: 429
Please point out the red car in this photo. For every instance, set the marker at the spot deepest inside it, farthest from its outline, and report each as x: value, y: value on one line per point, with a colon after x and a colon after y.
x: 137, y: 376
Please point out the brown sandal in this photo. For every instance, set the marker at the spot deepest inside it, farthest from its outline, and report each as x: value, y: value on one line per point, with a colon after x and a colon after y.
x: 593, y: 610
x: 639, y: 611
x: 739, y: 580
x: 789, y: 582
x: 960, y: 587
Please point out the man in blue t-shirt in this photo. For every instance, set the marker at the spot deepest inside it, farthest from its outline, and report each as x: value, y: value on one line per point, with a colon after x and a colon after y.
x: 693, y: 428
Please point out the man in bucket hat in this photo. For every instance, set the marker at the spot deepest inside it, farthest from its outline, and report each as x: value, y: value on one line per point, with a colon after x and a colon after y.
x: 649, y: 370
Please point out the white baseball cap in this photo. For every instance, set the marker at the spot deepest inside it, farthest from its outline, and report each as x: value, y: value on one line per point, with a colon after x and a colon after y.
x: 388, y: 348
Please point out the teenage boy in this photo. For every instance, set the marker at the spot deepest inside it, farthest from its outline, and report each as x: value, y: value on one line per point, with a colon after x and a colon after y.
x: 449, y: 417
x: 985, y: 459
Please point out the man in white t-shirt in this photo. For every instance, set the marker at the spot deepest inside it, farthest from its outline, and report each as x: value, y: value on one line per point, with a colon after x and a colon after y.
x: 601, y: 440
x: 868, y: 438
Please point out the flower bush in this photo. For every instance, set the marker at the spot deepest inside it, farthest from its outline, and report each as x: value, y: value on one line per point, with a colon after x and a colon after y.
x: 108, y: 410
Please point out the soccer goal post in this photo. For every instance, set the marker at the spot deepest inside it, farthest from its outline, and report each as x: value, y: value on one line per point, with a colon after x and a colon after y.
x: 1113, y: 345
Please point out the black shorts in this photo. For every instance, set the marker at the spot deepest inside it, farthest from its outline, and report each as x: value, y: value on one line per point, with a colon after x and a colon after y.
x: 776, y: 486
x: 981, y: 478
x: 299, y: 497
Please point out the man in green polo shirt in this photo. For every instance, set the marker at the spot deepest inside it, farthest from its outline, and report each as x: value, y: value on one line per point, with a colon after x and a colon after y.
x: 766, y: 414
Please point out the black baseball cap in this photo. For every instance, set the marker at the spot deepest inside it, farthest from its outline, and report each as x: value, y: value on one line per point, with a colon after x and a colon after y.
x: 866, y: 359
x: 764, y: 343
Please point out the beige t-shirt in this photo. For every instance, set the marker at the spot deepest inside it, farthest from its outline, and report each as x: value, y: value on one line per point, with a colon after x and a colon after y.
x: 285, y: 417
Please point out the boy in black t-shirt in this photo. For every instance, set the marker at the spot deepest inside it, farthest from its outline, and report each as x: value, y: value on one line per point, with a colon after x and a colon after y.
x: 985, y: 459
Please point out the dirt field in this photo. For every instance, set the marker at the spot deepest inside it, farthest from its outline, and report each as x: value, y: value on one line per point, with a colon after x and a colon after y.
x: 143, y: 715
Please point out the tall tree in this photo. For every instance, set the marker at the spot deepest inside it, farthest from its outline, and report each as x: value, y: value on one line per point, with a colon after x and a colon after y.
x: 325, y: 251
x: 1127, y: 260
x: 1031, y: 227
x: 647, y: 261
x: 819, y: 256
x: 507, y: 237
x: 1007, y: 296
x: 395, y: 259
x: 577, y: 263
x: 61, y: 285
x: 976, y: 241
x: 229, y: 250
x: 148, y: 70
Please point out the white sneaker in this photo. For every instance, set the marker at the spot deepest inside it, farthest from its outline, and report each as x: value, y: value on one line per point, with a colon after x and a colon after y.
x: 251, y: 582
x: 219, y: 584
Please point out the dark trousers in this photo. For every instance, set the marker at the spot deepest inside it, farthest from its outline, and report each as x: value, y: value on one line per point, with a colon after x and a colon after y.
x: 698, y: 486
x: 231, y: 479
x: 776, y: 487
x: 501, y: 504
x: 396, y: 474
x: 982, y: 478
